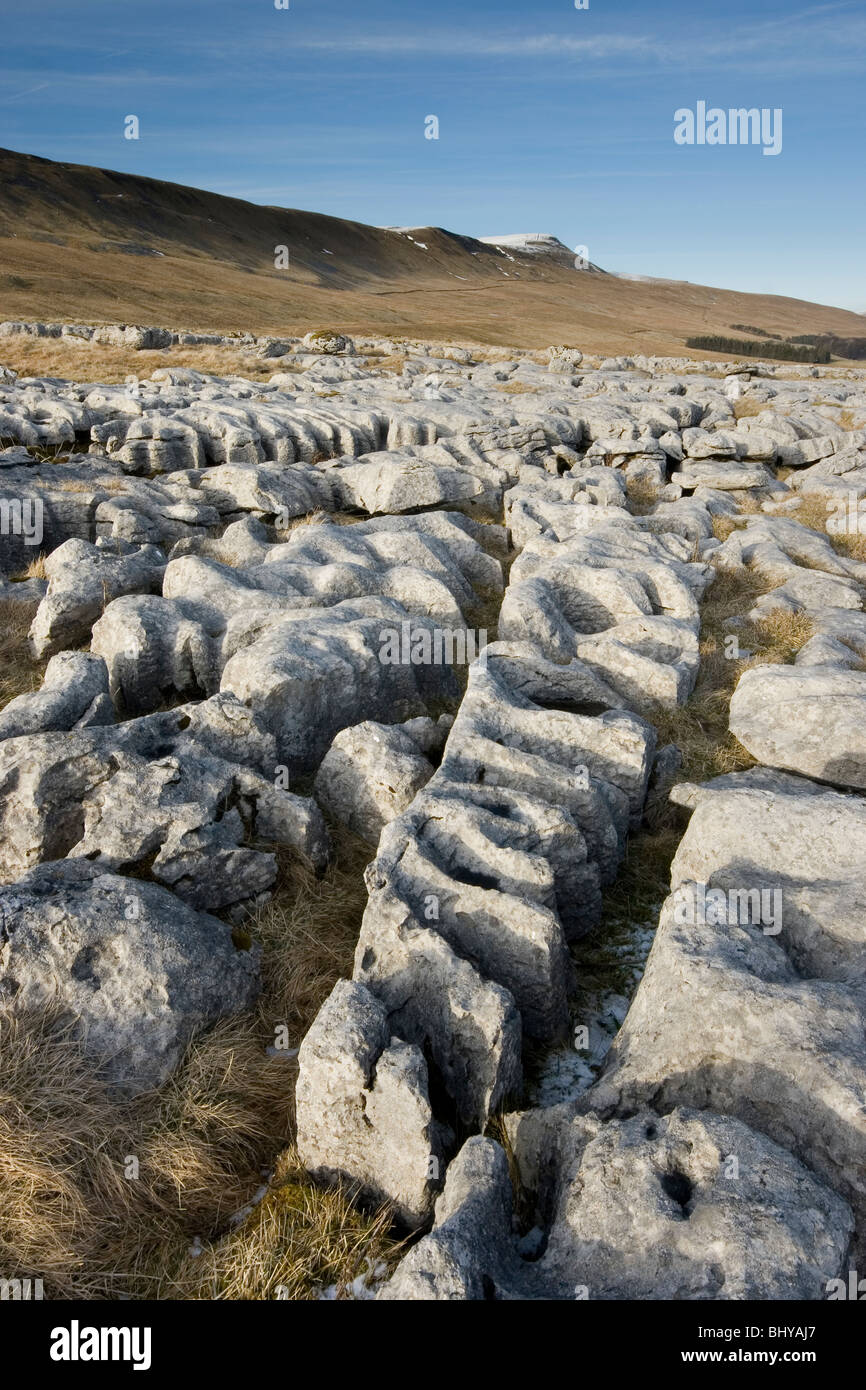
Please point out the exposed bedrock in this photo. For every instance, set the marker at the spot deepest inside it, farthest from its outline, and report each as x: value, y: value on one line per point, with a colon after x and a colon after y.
x: 323, y: 632
x: 643, y: 1208
x: 376, y: 1114
x: 761, y: 940
x: 500, y: 858
x: 181, y: 794
x: 134, y: 970
x: 291, y: 579
x: 73, y: 695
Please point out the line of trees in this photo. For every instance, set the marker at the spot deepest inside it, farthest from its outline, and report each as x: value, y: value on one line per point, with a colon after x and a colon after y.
x: 743, y: 347
x: 852, y: 348
x: 755, y: 332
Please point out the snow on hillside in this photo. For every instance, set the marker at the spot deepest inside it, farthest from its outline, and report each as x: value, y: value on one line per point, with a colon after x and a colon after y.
x: 525, y: 241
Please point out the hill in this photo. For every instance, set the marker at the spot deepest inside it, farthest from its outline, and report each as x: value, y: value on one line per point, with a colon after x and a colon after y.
x: 84, y: 243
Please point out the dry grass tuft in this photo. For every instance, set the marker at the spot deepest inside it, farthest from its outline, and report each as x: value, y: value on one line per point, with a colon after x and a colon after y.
x: 815, y: 512
x: 35, y: 570
x: 78, y: 360
x: 19, y: 673
x: 320, y: 518
x: 70, y: 1214
x: 203, y: 1141
x: 316, y: 518
x: 393, y: 365
x: 779, y: 637
x: 854, y: 547
x: 747, y: 405
x: 846, y: 419
x: 700, y: 727
x: 724, y: 526
x: 642, y: 494
x: 297, y: 1242
x: 516, y: 388
x: 308, y: 932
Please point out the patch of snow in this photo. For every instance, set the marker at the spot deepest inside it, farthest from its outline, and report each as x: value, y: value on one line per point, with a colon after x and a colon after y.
x: 239, y: 1216
x: 569, y: 1071
x: 524, y: 241
x: 646, y: 279
x: 364, y: 1287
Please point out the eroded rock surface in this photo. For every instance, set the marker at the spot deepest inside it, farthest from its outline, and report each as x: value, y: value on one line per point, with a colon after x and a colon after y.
x: 136, y: 971
x: 454, y: 601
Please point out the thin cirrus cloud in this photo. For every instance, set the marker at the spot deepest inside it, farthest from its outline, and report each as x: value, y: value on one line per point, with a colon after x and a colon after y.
x: 469, y: 45
x: 27, y: 92
x: 831, y: 35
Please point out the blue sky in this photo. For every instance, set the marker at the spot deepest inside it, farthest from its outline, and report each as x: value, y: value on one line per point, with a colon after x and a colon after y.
x: 551, y: 119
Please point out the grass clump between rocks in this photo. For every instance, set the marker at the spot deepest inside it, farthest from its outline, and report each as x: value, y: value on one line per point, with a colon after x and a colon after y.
x: 19, y: 673
x: 90, y: 1223
x: 699, y: 728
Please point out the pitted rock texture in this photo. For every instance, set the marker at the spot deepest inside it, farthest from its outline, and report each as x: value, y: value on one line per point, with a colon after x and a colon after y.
x: 264, y: 573
x: 181, y: 792
x: 645, y: 1208
x: 377, y: 1125
x: 137, y: 972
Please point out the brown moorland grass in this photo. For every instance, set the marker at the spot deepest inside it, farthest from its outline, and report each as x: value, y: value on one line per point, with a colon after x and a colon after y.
x: 210, y: 294
x: 19, y: 673
x: 76, y: 360
x: 724, y: 526
x: 846, y: 418
x: 516, y: 388
x: 205, y: 262
x: 203, y: 1141
x: 747, y: 406
x: 700, y: 727
x: 815, y: 512
x: 73, y: 359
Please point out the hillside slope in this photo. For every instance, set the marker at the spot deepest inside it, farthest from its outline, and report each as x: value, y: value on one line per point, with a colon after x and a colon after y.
x: 85, y: 243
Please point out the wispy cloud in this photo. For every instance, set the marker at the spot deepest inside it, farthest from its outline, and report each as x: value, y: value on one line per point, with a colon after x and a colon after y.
x: 458, y: 43
x: 830, y: 34
x: 828, y: 37
x: 28, y: 91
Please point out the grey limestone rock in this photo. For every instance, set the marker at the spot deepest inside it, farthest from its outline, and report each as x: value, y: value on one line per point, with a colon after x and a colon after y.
x: 136, y: 971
